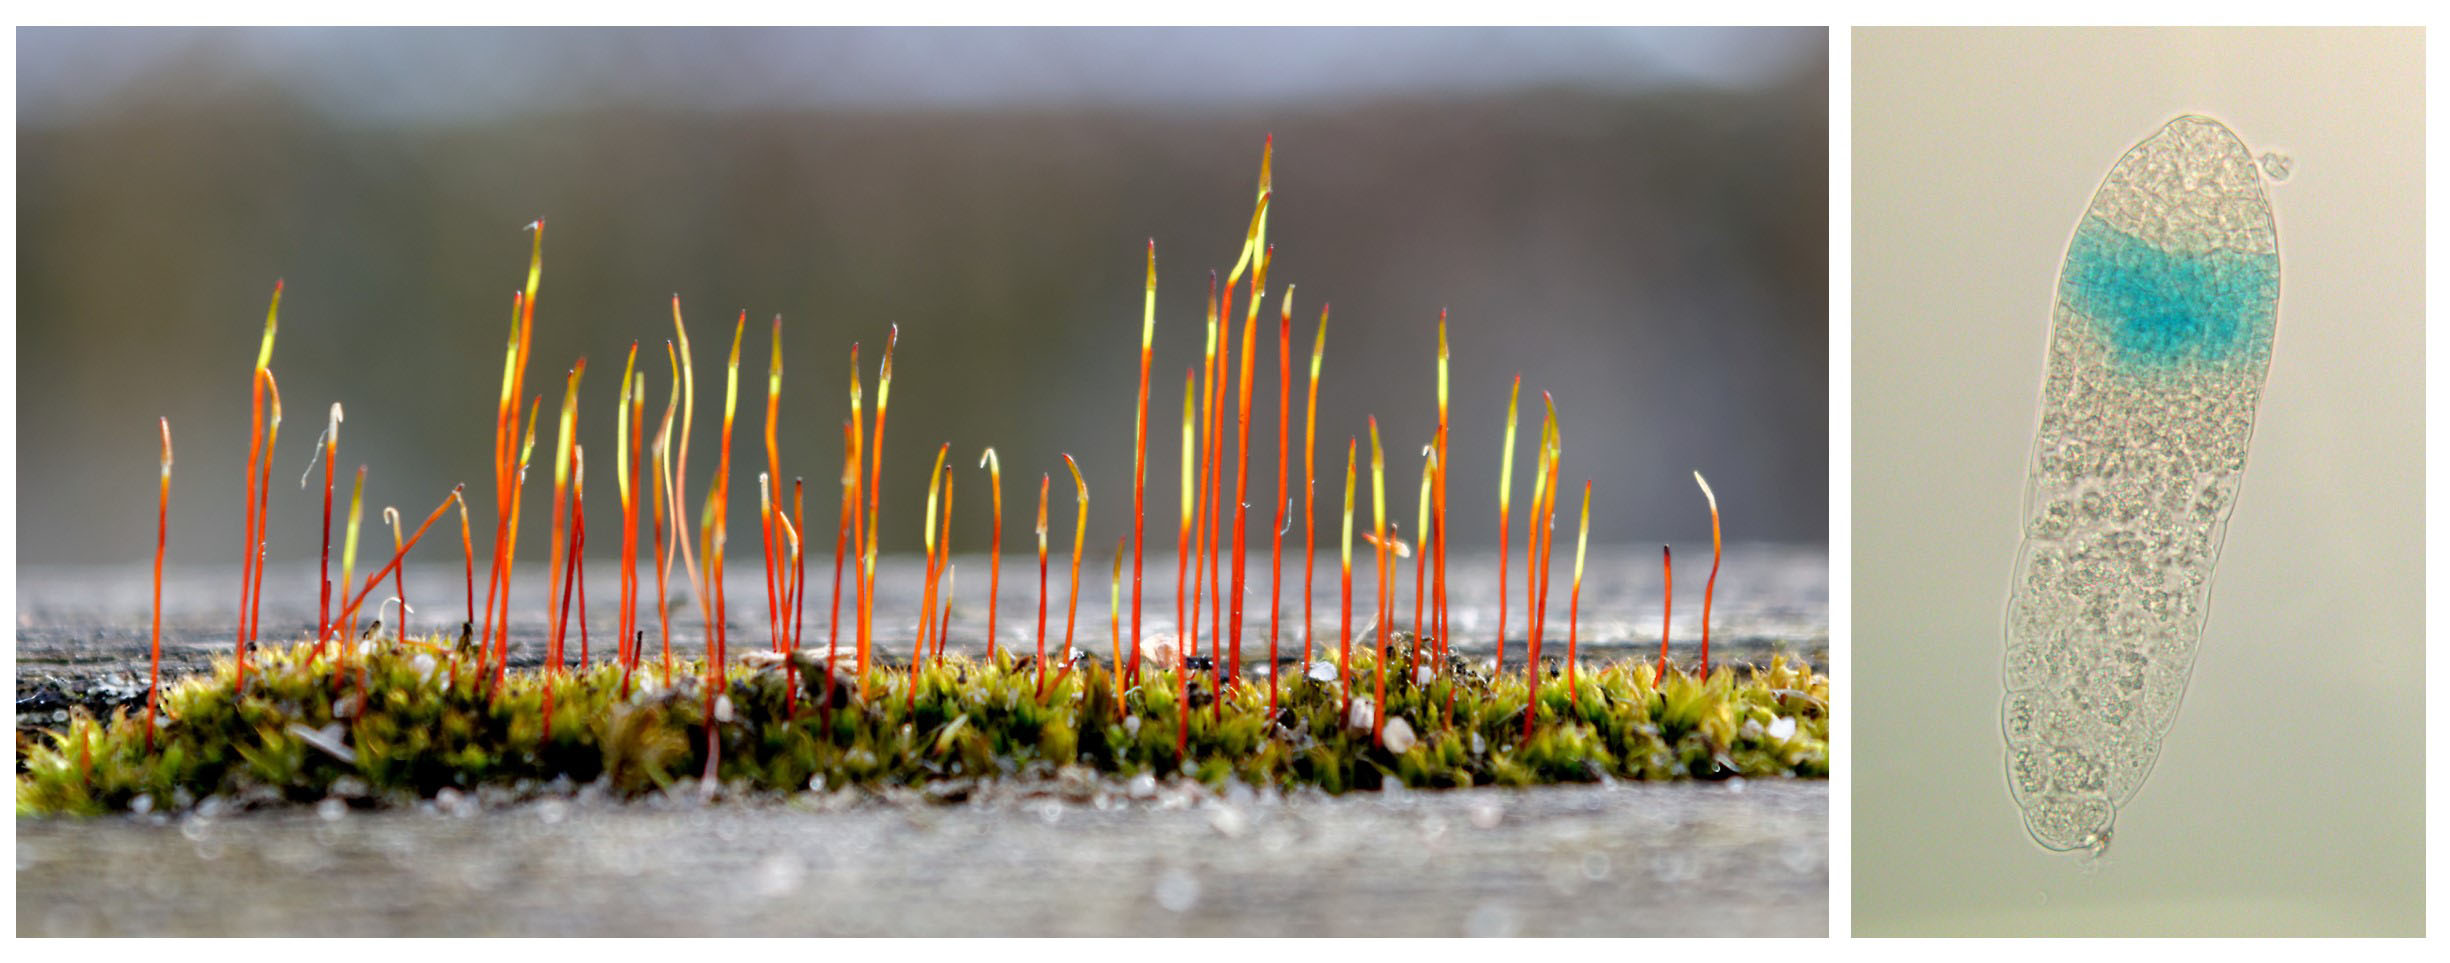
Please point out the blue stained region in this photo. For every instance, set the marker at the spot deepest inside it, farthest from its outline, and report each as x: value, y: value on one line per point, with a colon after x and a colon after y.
x: 2160, y: 309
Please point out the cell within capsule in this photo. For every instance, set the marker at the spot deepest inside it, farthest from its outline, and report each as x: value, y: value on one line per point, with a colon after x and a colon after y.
x: 2160, y: 338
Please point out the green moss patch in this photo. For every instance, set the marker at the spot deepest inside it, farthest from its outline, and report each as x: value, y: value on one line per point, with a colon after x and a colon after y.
x: 432, y: 721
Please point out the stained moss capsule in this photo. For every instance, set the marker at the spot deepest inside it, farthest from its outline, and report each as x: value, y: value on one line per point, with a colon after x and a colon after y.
x: 2160, y: 340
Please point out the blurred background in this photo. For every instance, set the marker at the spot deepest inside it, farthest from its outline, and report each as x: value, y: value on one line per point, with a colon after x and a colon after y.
x: 1635, y: 220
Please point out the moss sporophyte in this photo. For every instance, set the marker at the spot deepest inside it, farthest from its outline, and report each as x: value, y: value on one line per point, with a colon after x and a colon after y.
x: 395, y: 715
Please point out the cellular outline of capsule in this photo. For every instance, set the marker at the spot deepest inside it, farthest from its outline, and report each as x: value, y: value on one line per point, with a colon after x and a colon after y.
x: 2162, y: 328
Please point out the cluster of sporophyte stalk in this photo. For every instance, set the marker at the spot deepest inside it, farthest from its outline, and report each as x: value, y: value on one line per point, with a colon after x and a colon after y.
x: 421, y: 714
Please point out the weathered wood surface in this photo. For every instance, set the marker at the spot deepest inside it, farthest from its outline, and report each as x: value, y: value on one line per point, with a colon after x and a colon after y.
x: 1627, y: 860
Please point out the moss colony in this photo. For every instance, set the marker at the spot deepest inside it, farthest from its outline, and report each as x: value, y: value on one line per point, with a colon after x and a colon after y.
x: 429, y: 722
x: 398, y: 719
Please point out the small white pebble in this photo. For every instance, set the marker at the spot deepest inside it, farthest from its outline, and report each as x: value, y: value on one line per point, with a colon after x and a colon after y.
x: 1399, y: 736
x: 1360, y: 716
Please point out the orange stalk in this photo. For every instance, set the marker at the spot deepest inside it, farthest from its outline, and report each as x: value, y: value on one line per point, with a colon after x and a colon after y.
x: 1242, y: 469
x: 263, y: 516
x: 1548, y: 543
x: 555, y: 585
x: 1080, y: 535
x: 1344, y: 666
x: 1420, y: 563
x: 638, y: 485
x: 467, y: 547
x: 1535, y: 613
x: 799, y: 587
x: 851, y: 522
x: 1185, y: 628
x: 713, y: 533
x: 1114, y: 623
x: 161, y: 548
x: 927, y: 589
x: 1385, y: 620
x: 1439, y: 497
x: 505, y: 422
x: 944, y: 623
x: 876, y: 476
x: 570, y: 569
x: 1711, y: 588
x: 791, y: 526
x: 1213, y: 484
x: 1667, y: 603
x: 945, y: 562
x: 1207, y: 438
x: 678, y: 484
x: 1042, y: 486
x: 1532, y: 611
x: 510, y: 482
x: 1310, y: 465
x: 846, y: 514
x: 524, y: 324
x: 504, y: 425
x: 507, y: 545
x: 1139, y: 474
x: 766, y: 533
x: 631, y: 458
x: 774, y: 468
x: 1573, y: 603
x: 1284, y: 459
x: 655, y: 505
x: 255, y: 437
x: 995, y: 546
x: 578, y: 551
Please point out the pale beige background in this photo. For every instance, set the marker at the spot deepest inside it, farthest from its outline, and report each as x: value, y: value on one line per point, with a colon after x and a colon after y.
x: 2288, y: 796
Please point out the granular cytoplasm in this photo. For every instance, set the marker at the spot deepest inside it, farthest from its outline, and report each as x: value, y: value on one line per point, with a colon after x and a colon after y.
x: 2162, y: 308
x: 2160, y: 340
